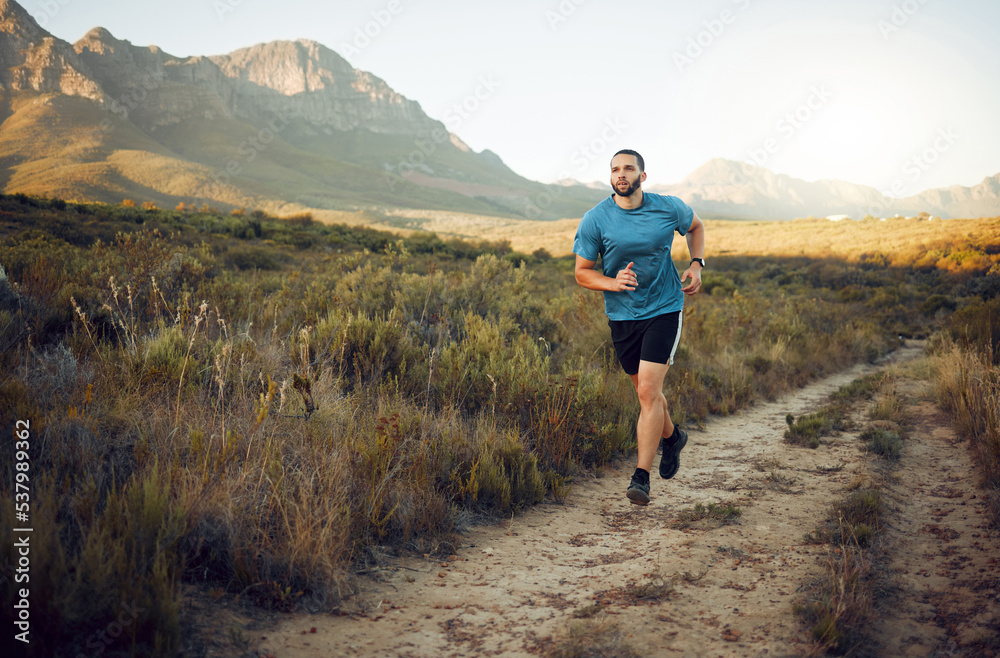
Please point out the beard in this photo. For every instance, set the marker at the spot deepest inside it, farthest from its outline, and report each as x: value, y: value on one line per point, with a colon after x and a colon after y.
x: 628, y: 191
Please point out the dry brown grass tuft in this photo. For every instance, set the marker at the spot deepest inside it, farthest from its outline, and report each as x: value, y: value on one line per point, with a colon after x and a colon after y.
x: 968, y: 385
x: 601, y: 637
x: 840, y: 610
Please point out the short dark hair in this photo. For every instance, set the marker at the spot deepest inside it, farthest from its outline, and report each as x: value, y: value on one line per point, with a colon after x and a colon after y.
x: 642, y: 163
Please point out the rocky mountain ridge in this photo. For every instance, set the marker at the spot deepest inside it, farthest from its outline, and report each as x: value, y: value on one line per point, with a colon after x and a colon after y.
x: 282, y: 78
x: 279, y: 124
x: 301, y: 78
x: 170, y: 129
x: 741, y: 190
x: 31, y: 59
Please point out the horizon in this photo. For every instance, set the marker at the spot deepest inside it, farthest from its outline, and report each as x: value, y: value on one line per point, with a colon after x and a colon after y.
x: 814, y: 92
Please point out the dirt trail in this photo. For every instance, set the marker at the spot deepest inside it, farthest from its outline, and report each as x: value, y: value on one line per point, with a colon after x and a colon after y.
x: 946, y: 558
x: 702, y: 590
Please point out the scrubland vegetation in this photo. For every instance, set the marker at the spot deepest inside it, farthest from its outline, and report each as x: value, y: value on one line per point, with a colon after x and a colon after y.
x: 264, y: 407
x: 967, y: 382
x: 840, y: 610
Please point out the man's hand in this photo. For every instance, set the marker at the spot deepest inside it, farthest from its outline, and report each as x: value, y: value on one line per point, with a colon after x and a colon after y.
x: 626, y: 279
x: 586, y: 276
x: 693, y: 273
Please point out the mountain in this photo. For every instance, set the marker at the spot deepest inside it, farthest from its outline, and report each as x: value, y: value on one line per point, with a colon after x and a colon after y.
x: 724, y: 188
x: 288, y: 126
x: 31, y: 59
x: 284, y: 126
x: 982, y: 200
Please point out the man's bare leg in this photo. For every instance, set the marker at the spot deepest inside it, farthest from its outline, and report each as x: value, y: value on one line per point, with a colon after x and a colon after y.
x: 654, y: 417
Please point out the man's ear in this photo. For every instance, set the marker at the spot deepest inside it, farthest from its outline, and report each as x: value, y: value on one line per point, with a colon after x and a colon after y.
x: 642, y: 177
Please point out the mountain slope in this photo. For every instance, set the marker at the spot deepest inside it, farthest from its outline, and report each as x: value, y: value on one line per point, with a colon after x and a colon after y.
x: 724, y: 188
x: 291, y: 125
x: 957, y: 201
x: 287, y: 124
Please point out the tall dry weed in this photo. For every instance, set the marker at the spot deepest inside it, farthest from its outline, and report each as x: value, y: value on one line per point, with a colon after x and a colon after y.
x: 967, y: 383
x: 343, y: 394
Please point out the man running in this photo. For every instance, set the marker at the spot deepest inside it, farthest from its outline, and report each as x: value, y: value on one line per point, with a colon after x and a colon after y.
x: 632, y: 232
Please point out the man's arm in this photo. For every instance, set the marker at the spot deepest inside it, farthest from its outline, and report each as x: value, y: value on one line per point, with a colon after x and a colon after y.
x: 591, y: 279
x: 696, y: 248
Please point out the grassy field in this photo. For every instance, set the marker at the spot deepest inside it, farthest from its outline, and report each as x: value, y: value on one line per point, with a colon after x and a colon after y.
x: 263, y: 407
x: 964, y: 244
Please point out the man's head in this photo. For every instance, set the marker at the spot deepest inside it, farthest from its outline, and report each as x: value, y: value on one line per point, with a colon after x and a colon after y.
x: 627, y: 172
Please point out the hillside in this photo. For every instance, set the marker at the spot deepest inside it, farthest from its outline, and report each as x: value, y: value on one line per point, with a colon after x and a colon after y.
x: 289, y: 126
x: 738, y: 190
x: 280, y: 126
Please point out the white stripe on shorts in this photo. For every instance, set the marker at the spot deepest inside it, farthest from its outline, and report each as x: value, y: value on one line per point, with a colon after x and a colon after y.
x: 677, y: 338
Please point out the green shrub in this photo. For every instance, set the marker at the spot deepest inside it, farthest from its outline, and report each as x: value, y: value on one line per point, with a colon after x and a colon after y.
x: 372, y: 393
x: 808, y: 429
x: 883, y: 442
x: 253, y: 258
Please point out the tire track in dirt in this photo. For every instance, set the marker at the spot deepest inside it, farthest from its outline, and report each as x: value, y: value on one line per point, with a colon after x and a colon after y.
x: 701, y: 590
x: 944, y: 552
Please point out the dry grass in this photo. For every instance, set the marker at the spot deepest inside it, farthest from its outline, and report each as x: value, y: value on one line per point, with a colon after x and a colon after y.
x: 841, y: 609
x: 714, y: 513
x: 264, y: 408
x: 967, y: 382
x: 898, y: 242
x: 601, y: 637
x: 845, y: 604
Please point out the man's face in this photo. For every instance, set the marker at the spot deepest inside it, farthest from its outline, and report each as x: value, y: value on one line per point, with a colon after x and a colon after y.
x: 625, y: 175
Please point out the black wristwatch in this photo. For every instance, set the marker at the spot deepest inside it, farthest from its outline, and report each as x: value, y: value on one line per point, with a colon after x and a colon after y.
x: 700, y: 261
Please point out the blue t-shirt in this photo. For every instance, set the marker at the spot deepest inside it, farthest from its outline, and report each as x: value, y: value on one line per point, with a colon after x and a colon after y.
x: 644, y: 236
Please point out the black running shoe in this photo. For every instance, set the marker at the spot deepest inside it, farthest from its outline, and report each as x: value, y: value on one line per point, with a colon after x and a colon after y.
x: 670, y: 460
x: 638, y: 492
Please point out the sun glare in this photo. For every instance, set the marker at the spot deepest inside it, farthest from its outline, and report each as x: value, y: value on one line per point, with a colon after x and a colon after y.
x: 842, y: 134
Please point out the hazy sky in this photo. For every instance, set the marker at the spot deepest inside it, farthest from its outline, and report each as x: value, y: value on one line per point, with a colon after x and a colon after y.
x: 894, y: 94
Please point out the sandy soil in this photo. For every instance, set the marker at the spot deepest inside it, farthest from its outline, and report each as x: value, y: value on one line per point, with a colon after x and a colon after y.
x: 700, y: 588
x: 946, y: 558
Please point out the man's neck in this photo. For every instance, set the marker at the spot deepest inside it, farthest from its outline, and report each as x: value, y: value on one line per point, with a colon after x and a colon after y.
x: 630, y: 202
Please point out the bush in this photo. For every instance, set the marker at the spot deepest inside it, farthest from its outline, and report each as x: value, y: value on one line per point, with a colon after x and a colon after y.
x: 887, y: 443
x: 289, y: 420
x: 254, y: 258
x: 978, y: 325
x: 808, y: 429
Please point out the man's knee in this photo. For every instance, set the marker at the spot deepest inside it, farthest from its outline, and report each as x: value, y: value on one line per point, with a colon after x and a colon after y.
x: 649, y: 394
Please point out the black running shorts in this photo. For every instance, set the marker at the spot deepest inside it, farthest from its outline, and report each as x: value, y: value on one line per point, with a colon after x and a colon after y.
x: 653, y: 339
